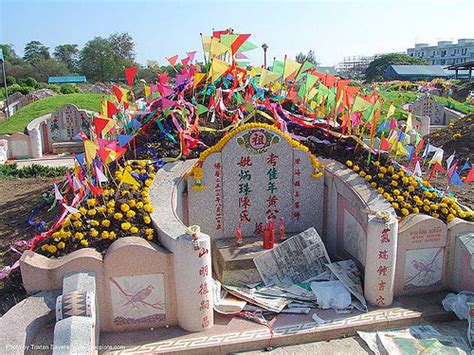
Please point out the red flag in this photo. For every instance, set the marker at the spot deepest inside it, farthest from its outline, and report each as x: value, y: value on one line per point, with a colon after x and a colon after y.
x: 437, y: 168
x: 130, y: 75
x: 218, y: 34
x: 329, y: 80
x: 99, y: 124
x: 172, y: 60
x: 418, y: 148
x: 118, y: 93
x: 384, y: 144
x: 238, y: 42
x: 470, y: 176
x: 185, y: 61
x: 103, y: 154
x: 111, y: 109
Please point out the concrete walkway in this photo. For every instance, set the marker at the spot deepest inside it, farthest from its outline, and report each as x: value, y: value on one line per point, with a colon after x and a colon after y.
x: 51, y: 161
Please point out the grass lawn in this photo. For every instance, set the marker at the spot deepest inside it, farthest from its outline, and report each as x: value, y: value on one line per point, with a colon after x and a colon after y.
x: 19, y: 121
x: 463, y: 107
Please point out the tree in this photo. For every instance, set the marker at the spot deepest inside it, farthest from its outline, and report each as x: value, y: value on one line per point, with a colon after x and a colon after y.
x: 8, y: 52
x: 45, y: 68
x: 309, y: 57
x: 379, y: 65
x: 123, y: 51
x: 67, y: 54
x: 35, y: 51
x: 96, y: 60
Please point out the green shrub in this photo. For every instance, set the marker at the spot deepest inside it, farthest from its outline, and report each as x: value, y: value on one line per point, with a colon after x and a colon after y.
x: 55, y: 87
x: 10, y: 80
x: 69, y: 89
x: 11, y: 171
x: 18, y: 88
x: 29, y: 81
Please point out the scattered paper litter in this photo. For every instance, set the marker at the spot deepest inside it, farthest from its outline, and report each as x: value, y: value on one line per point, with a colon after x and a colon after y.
x: 331, y: 294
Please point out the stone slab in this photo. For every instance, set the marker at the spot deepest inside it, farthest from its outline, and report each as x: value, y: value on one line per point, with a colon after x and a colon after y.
x: 74, y: 336
x: 236, y: 334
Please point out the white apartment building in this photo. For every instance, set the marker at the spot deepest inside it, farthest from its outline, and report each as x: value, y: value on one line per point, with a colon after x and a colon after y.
x: 445, y: 53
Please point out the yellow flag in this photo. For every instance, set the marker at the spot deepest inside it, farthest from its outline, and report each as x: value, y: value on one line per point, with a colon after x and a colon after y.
x: 197, y: 78
x: 125, y: 94
x: 291, y: 67
x: 103, y: 107
x: 401, y: 150
x: 255, y: 71
x: 267, y: 76
x: 391, y: 111
x: 217, y: 48
x: 108, y: 127
x: 409, y: 123
x: 276, y: 86
x: 129, y: 179
x: 312, y: 93
x: 218, y: 68
x: 90, y: 149
x: 206, y: 43
x: 147, y: 90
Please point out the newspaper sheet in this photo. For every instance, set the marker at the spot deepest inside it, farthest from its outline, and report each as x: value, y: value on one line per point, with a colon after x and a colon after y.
x: 270, y: 303
x: 297, y: 259
x: 348, y: 273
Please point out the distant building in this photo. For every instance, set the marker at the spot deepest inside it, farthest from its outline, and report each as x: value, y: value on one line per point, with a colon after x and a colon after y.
x: 328, y: 70
x: 445, y: 53
x: 415, y: 72
x: 67, y: 79
x: 354, y: 66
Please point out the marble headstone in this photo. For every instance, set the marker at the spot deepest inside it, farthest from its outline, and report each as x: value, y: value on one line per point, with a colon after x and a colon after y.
x: 256, y: 177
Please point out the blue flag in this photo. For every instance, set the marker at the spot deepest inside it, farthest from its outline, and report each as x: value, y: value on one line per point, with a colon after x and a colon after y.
x: 456, y: 179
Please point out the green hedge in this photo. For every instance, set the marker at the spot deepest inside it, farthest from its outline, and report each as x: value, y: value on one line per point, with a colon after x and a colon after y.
x: 11, y: 171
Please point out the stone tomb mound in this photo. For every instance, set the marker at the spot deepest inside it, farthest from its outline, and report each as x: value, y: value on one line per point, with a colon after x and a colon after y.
x: 255, y: 175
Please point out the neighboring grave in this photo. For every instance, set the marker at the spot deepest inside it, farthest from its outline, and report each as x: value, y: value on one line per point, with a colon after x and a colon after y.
x: 64, y: 126
x: 253, y: 175
x: 438, y: 114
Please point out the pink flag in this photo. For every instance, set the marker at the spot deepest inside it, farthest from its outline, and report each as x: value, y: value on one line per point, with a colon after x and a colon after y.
x: 393, y: 124
x: 172, y: 60
x: 191, y: 55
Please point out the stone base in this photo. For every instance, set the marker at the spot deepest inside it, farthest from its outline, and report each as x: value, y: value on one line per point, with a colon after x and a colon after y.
x: 234, y: 265
x: 68, y: 147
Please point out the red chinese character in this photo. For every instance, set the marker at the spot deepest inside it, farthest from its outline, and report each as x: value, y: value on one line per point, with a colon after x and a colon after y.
x: 270, y: 214
x: 297, y: 215
x: 297, y: 160
x: 203, y: 271
x: 297, y: 183
x: 382, y: 270
x: 258, y: 228
x: 244, y: 215
x: 297, y: 194
x: 297, y: 172
x: 297, y: 204
x: 217, y: 165
x: 205, y: 322
x: 245, y: 161
x: 203, y: 290
x: 382, y: 285
x: 272, y: 200
x: 204, y: 305
x: 383, y: 254
x: 217, y: 173
x: 271, y: 159
x: 384, y: 238
x: 380, y: 300
x: 244, y: 202
x: 203, y: 252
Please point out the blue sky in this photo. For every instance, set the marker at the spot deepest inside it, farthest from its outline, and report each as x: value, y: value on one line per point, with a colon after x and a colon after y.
x: 332, y: 28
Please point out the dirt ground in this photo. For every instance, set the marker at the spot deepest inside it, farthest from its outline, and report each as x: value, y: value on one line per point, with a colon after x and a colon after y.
x: 17, y: 200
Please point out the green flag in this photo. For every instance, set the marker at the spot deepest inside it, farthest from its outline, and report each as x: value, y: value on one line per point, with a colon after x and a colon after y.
x: 201, y: 109
x: 306, y: 65
x: 278, y: 67
x: 360, y: 105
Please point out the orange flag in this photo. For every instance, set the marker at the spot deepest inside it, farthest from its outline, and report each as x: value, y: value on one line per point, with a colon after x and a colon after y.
x: 172, y: 60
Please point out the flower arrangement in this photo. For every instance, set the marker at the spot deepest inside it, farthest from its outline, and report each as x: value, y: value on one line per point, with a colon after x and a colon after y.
x: 408, y: 195
x: 122, y: 210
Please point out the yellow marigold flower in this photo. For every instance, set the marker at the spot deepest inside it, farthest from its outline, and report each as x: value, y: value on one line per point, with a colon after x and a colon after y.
x: 146, y: 188
x: 82, y: 210
x: 134, y: 230
x: 106, y: 192
x: 380, y: 175
x: 131, y: 214
x: 149, y: 237
x: 151, y: 168
x: 394, y: 183
x: 383, y: 170
x: 462, y: 214
x: 411, y: 188
x: 405, y: 212
x: 66, y: 223
x: 152, y: 175
x: 94, y: 223
x: 146, y: 200
x: 52, y: 249
x: 148, y: 208
x: 102, y: 209
x: 111, y: 204
x: 395, y: 205
x: 61, y: 245
x: 67, y: 234
x: 92, y: 212
x: 143, y: 171
x: 110, y: 210
x: 128, y: 168
x: 444, y: 211
x: 139, y: 204
x: 125, y: 226
x: 104, y: 235
x: 368, y: 177
x: 124, y: 207
x: 91, y: 202
x: 362, y: 173
x: 435, y: 215
x: 56, y: 235
x: 349, y: 163
x: 395, y: 176
x: 148, y: 182
x: 419, y: 203
x: 78, y: 235
x: 44, y: 247
x: 373, y: 184
x: 426, y: 208
x: 416, y: 210
x: 118, y: 215
x: 356, y: 168
x: 391, y: 169
x: 380, y: 190
x: 142, y: 163
x: 112, y: 235
x: 132, y: 203
x: 105, y: 223
x: 125, y: 192
x: 376, y: 163
x: 396, y: 192
x: 400, y: 198
x: 434, y: 207
x: 414, y: 184
x: 94, y: 233
x: 75, y: 216
x: 147, y: 219
x: 390, y: 199
x: 426, y: 201
x: 386, y: 195
x: 77, y: 224
x: 405, y: 180
x: 84, y: 243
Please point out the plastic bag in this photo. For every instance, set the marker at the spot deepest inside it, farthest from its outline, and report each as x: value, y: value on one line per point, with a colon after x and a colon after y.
x: 331, y: 294
x: 457, y: 303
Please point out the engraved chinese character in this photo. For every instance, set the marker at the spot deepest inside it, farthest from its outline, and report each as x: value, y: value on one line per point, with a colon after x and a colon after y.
x: 380, y: 300
x: 383, y: 254
x: 203, y: 290
x: 244, y: 215
x: 244, y: 189
x: 245, y: 161
x: 258, y: 228
x: 203, y: 271
x: 382, y: 270
x: 245, y: 175
x: 244, y: 202
x: 381, y: 285
x: 272, y: 159
x: 272, y: 200
x: 204, y: 305
x: 271, y: 187
x: 384, y: 238
x: 205, y: 322
x: 203, y: 252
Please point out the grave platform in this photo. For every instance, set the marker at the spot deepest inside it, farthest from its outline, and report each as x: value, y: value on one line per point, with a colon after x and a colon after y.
x: 231, y: 334
x: 234, y: 265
